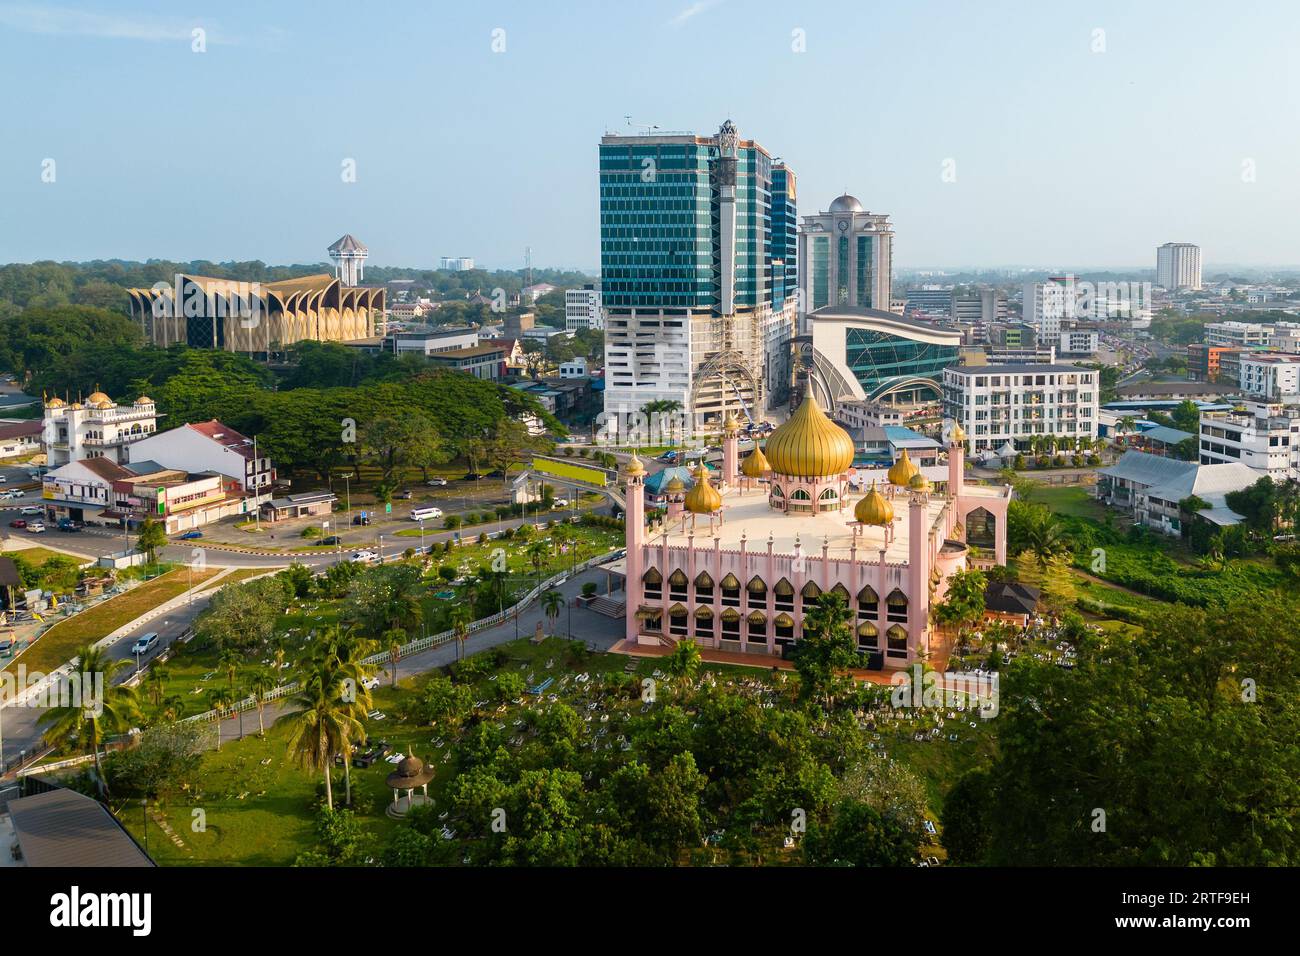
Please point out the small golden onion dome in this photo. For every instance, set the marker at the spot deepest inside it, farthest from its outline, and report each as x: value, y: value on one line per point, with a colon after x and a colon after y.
x: 873, y: 509
x: 902, y: 471
x: 105, y: 405
x: 958, y: 434
x: 76, y: 405
x: 755, y: 464
x: 55, y: 403
x: 809, y: 444
x: 144, y: 400
x: 703, y: 498
x: 675, y: 486
x: 97, y: 397
x: 730, y: 426
x: 634, y: 468
x: 919, y: 483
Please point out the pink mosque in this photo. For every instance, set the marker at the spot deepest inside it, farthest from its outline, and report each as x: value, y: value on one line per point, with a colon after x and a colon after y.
x: 733, y: 565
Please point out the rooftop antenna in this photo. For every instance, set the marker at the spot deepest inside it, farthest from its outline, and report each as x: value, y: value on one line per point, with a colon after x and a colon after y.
x: 644, y: 127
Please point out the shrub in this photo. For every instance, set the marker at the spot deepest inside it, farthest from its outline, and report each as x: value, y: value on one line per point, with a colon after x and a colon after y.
x: 311, y: 531
x: 451, y: 521
x: 568, y: 451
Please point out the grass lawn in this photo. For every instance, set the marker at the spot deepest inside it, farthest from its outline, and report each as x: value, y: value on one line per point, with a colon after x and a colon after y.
x: 1069, y: 500
x: 260, y: 807
x: 39, y: 556
x: 57, y: 645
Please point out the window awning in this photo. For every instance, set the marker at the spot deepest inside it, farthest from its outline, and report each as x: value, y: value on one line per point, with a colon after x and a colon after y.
x: 644, y: 613
x: 784, y: 620
x: 704, y: 613
x: 757, y: 617
x: 730, y: 614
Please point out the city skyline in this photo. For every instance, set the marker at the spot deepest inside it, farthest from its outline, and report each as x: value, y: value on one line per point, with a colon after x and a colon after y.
x: 1085, y: 167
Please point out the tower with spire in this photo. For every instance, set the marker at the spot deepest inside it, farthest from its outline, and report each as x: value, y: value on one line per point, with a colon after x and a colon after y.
x: 349, y: 255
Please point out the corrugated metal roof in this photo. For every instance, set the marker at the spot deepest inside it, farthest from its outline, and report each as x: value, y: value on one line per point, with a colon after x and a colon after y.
x: 64, y: 828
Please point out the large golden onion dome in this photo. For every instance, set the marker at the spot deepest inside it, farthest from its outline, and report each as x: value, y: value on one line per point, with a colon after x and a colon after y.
x: 97, y: 397
x: 634, y: 468
x: 703, y: 498
x: 873, y: 509
x: 755, y: 464
x: 902, y: 471
x: 809, y: 444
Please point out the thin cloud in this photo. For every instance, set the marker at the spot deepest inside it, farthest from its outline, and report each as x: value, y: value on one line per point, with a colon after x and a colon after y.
x: 694, y: 10
x: 63, y: 21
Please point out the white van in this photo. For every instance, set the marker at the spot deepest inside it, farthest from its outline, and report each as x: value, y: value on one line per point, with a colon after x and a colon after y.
x: 425, y: 514
x: 145, y: 643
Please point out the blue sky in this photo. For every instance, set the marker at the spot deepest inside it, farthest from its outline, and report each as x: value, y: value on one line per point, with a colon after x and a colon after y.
x: 1064, y: 157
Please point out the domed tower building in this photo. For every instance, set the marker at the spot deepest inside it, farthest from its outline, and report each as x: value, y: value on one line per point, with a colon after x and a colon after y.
x: 753, y: 548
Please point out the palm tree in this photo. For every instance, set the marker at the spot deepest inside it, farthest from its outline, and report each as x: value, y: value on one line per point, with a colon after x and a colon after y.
x: 537, y: 555
x: 552, y: 602
x: 156, y: 678
x: 260, y: 683
x: 460, y: 620
x: 1043, y: 535
x: 114, y: 710
x: 321, y: 723
x: 345, y: 653
x: 172, y: 707
x: 684, y: 661
x: 220, y: 701
x: 229, y: 661
x: 396, y: 638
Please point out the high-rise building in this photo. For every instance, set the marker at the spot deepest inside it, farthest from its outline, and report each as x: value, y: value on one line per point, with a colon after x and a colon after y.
x: 456, y: 263
x: 846, y: 257
x: 1048, y: 304
x: 693, y: 310
x: 1178, y: 266
x: 785, y: 233
x: 997, y: 404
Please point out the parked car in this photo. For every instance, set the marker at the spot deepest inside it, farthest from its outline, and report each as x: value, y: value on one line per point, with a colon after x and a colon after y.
x: 6, y: 647
x: 191, y: 535
x: 9, y: 493
x: 438, y: 482
x: 18, y: 523
x: 560, y: 503
x: 145, y: 643
x: 473, y: 476
x: 407, y: 495
x: 361, y: 519
x: 332, y: 541
x: 36, y: 527
x: 31, y: 510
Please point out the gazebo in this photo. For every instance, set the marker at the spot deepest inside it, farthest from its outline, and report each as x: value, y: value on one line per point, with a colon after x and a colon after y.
x: 411, y: 775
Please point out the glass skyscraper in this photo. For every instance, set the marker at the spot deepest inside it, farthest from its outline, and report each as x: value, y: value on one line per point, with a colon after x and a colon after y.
x: 697, y: 257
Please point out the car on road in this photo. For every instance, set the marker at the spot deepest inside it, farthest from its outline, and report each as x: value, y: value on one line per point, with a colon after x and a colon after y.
x: 364, y: 555
x: 10, y: 493
x: 332, y: 541
x: 473, y: 476
x: 407, y: 495
x: 437, y: 482
x: 31, y: 510
x: 69, y: 525
x: 560, y: 503
x: 191, y: 535
x: 668, y: 456
x: 145, y: 643
x: 361, y: 519
x: 36, y: 527
x: 18, y: 523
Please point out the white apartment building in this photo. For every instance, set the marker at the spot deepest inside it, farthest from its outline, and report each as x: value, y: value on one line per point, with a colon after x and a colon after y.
x: 1178, y: 266
x: 1264, y: 437
x: 1047, y: 304
x: 1079, y: 342
x: 1237, y: 334
x: 97, y: 428
x: 582, y: 309
x: 456, y: 263
x: 1285, y: 337
x: 997, y: 404
x: 575, y: 368
x: 430, y: 343
x: 1273, y: 378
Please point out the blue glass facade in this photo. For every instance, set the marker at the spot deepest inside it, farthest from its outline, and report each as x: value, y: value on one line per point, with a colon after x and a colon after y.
x: 785, y: 234
x: 661, y: 200
x: 878, y: 359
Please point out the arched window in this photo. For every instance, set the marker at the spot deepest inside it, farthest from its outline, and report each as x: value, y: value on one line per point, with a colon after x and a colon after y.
x: 677, y: 620
x: 811, y: 592
x: 757, y: 631
x: 896, y: 606
x: 757, y: 589
x: 868, y: 636
x: 800, y: 494
x: 731, y: 591
x: 828, y: 495
x: 868, y: 601
x: 730, y: 624
x: 783, y: 595
x: 896, y: 637
x: 703, y: 587
x: 677, y: 582
x: 704, y: 622
x: 777, y: 492
x: 784, y: 627
x: 843, y: 592
x: 654, y: 584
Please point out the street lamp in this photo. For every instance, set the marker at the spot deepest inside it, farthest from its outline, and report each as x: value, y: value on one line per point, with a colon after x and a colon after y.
x: 421, y: 536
